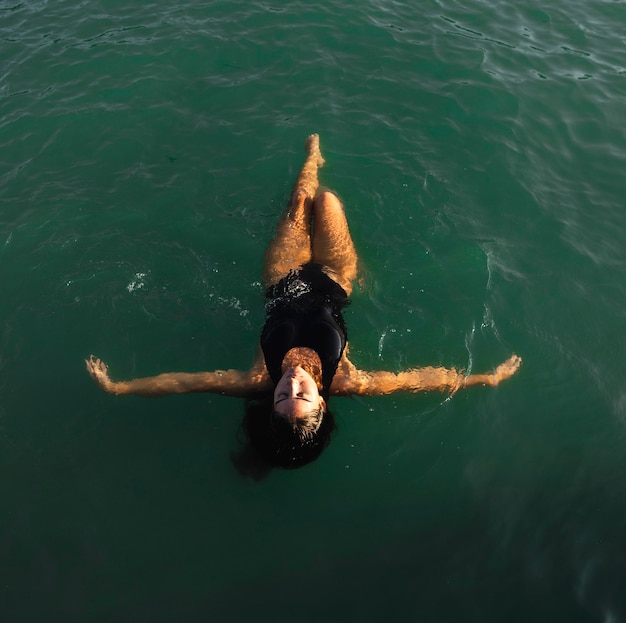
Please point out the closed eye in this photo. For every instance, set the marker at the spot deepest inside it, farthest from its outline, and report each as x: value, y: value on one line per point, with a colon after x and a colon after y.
x: 298, y: 397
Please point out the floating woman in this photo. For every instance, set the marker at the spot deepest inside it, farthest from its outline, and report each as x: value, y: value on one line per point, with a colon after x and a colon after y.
x: 303, y: 355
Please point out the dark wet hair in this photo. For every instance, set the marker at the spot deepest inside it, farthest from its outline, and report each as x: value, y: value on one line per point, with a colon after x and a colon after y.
x: 279, y: 442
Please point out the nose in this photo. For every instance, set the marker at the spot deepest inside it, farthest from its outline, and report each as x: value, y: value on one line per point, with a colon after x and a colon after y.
x: 294, y: 385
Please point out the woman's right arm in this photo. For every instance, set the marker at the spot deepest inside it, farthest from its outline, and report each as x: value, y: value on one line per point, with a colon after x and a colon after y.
x: 226, y: 382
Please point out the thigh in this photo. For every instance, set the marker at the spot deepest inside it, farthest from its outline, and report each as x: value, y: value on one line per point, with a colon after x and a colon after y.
x: 332, y: 243
x: 291, y: 246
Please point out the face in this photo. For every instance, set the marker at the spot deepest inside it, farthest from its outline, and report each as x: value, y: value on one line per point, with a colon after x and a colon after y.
x: 296, y: 395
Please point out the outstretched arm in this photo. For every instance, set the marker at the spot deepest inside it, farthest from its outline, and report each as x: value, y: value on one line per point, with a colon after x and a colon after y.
x: 349, y: 380
x: 225, y: 382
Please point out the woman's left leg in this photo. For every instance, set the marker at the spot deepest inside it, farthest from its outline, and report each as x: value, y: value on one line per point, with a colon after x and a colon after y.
x: 332, y: 243
x: 291, y: 246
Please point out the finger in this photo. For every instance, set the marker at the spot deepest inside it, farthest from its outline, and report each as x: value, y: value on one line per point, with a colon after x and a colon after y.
x: 513, y: 362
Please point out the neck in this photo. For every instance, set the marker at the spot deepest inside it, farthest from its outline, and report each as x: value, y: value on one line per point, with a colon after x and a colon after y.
x: 308, y: 359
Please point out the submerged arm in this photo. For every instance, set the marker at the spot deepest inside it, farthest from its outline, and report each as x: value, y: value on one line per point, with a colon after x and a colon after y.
x: 349, y: 380
x: 226, y: 382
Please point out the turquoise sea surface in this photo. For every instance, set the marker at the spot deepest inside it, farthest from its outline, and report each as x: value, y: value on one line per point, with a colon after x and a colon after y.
x: 147, y: 152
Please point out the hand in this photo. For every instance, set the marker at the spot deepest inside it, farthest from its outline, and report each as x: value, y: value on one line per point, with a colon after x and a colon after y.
x: 99, y: 372
x: 508, y: 368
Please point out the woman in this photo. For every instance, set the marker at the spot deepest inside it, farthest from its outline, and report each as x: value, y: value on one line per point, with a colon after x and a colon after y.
x: 303, y: 356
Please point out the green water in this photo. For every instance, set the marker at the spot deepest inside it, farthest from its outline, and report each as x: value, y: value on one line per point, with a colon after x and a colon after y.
x: 147, y: 151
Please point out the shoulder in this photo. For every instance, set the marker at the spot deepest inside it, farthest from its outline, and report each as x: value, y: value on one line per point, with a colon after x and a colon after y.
x: 348, y: 379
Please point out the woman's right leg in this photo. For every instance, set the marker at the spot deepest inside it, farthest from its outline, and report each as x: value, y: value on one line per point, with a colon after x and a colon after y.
x: 307, y: 178
x: 332, y: 243
x: 291, y: 246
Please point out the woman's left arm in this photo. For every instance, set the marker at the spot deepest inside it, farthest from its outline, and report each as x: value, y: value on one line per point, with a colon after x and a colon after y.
x: 350, y: 380
x: 237, y: 383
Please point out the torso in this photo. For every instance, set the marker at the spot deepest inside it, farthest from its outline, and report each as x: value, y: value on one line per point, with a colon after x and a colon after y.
x: 305, y: 311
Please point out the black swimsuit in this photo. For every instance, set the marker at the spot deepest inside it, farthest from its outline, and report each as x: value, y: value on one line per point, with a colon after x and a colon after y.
x: 305, y: 310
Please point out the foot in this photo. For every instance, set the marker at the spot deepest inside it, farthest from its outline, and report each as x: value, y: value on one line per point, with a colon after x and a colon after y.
x: 312, y: 146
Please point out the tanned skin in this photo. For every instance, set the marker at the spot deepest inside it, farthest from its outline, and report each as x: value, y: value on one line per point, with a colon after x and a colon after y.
x: 294, y: 244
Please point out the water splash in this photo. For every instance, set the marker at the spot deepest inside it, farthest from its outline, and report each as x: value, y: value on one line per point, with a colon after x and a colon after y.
x: 137, y: 283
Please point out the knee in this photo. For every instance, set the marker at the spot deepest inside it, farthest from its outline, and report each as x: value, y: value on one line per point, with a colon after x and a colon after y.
x: 328, y: 201
x: 298, y: 197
